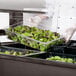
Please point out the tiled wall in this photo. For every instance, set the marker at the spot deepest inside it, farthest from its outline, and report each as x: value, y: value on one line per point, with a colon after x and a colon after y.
x: 64, y: 15
x: 63, y: 18
x: 16, y: 18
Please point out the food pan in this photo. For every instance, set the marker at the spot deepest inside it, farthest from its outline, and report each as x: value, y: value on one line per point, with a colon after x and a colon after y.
x: 17, y: 51
x: 41, y: 41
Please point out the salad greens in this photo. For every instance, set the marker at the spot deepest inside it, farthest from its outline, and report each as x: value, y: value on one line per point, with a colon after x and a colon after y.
x: 58, y: 58
x: 17, y: 53
x: 34, y: 37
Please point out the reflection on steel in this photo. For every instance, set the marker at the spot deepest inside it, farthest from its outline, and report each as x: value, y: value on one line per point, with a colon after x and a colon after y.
x: 26, y: 11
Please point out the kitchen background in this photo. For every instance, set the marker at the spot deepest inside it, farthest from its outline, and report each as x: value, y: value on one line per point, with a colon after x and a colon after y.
x: 59, y: 21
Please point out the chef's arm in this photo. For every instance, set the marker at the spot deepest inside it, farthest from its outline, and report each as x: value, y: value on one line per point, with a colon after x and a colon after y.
x: 37, y: 19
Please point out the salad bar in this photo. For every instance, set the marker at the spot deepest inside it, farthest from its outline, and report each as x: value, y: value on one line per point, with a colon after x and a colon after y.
x: 20, y: 59
x: 47, y: 63
x: 36, y: 52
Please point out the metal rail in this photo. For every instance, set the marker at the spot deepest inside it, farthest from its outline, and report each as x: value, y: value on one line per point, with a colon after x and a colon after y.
x: 26, y: 11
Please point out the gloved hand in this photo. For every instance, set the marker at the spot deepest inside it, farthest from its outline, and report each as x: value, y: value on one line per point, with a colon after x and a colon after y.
x: 69, y: 33
x: 35, y: 21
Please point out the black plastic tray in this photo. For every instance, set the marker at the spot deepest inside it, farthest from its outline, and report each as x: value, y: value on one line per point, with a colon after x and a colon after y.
x: 71, y: 43
x: 63, y: 49
x: 69, y: 48
x: 18, y: 45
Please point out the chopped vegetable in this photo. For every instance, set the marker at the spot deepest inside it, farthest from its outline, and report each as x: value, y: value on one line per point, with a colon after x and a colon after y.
x: 58, y: 58
x: 39, y: 37
x: 17, y: 53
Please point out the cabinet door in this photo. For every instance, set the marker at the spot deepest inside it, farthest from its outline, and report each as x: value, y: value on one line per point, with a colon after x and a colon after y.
x: 4, y: 20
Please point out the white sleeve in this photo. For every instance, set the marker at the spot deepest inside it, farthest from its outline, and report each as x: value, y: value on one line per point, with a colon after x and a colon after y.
x: 35, y: 21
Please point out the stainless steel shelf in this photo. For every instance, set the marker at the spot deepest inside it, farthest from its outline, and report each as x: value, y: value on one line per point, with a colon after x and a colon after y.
x: 27, y: 11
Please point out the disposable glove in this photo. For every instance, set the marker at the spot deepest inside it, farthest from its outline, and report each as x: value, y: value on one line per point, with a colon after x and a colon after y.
x: 69, y: 33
